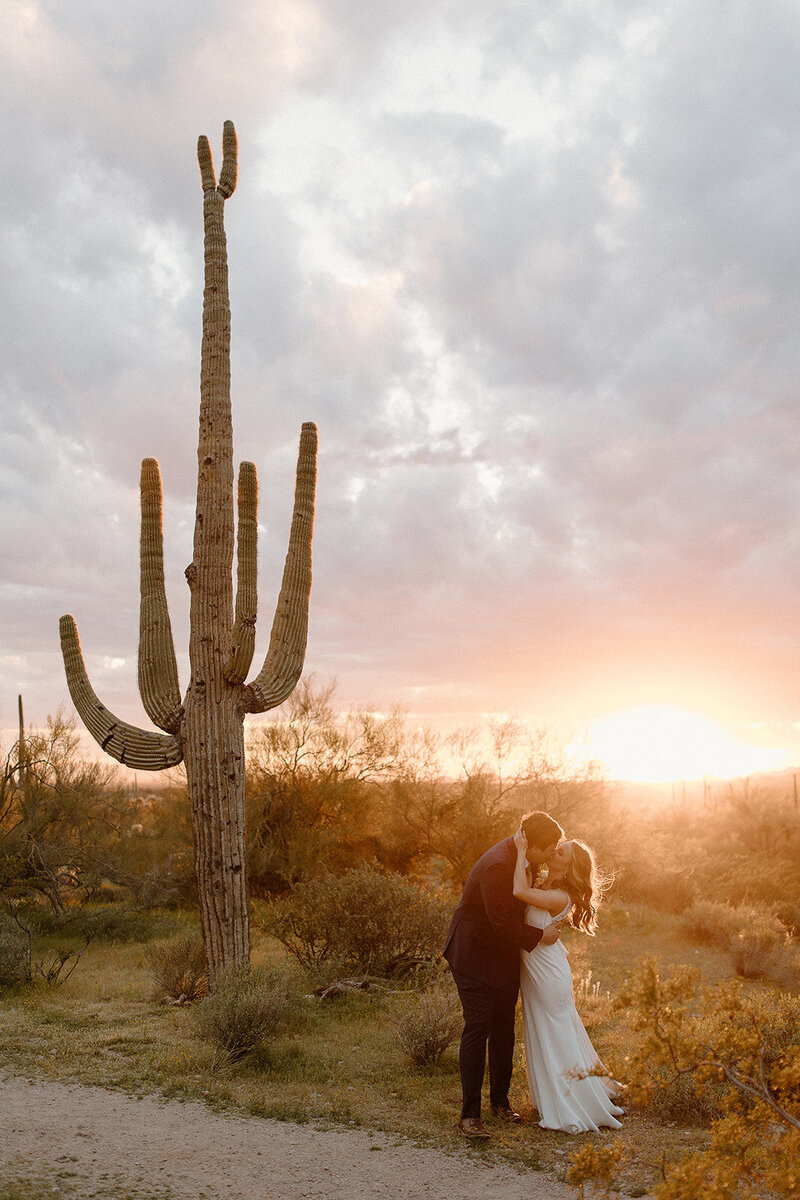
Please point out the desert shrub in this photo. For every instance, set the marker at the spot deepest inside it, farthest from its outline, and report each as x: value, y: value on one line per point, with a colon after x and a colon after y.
x: 671, y: 1094
x: 167, y: 884
x: 373, y: 921
x: 19, y: 964
x: 668, y: 890
x: 109, y: 893
x: 430, y: 1022
x: 63, y: 818
x: 741, y: 1049
x: 640, y: 917
x: 15, y: 961
x: 776, y: 1017
x: 759, y: 947
x: 112, y: 923
x: 788, y: 913
x: 712, y: 923
x: 178, y: 968
x: 695, y: 1043
x: 102, y: 922
x: 244, y: 1012
x: 56, y: 967
x: 322, y: 973
x: 675, y: 892
x: 757, y: 939
x: 599, y: 1166
x: 733, y: 876
x: 683, y: 1098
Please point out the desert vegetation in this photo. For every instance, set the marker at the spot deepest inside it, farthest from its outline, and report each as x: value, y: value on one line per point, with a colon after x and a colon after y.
x: 361, y: 829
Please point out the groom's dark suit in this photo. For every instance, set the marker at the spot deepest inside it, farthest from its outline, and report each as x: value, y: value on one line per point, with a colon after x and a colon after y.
x: 487, y: 932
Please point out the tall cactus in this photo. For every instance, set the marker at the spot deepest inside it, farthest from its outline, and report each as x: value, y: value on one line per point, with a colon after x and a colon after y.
x: 206, y: 729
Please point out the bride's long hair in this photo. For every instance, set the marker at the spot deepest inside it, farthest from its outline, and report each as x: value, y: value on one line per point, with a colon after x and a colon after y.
x: 585, y: 885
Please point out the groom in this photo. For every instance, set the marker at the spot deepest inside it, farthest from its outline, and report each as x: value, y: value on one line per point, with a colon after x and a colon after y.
x: 487, y: 932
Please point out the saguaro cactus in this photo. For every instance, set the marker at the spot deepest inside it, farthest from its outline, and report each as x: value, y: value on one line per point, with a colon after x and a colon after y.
x: 206, y: 730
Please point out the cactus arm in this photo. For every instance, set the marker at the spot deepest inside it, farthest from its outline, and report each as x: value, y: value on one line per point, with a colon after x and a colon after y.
x: 158, y: 670
x: 244, y: 626
x: 287, y: 645
x: 230, y: 161
x: 205, y: 161
x: 136, y: 748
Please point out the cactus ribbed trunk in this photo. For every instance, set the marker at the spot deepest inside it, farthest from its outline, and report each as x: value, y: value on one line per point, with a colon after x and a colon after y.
x: 214, y: 757
x: 213, y: 734
x: 206, y: 731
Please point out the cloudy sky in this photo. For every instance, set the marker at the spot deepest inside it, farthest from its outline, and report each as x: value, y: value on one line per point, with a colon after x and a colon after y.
x: 533, y: 266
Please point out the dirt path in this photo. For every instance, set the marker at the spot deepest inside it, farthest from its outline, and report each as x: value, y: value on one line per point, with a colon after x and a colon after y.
x: 89, y: 1142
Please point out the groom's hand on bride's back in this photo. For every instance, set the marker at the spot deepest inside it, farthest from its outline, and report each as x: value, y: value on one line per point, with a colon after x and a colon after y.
x: 552, y: 932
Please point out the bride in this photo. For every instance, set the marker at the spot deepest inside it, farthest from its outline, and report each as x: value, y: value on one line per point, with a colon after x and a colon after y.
x: 558, y: 1052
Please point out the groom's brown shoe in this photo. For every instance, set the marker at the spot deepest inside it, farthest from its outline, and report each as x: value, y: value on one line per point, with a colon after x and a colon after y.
x: 473, y: 1127
x: 506, y: 1113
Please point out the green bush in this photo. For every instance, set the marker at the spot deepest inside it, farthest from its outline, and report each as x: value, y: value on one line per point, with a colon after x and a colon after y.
x: 373, y: 921
x: 15, y: 965
x: 101, y: 922
x: 178, y: 968
x: 324, y: 973
x: 244, y: 1012
x: 431, y: 1021
x: 167, y: 884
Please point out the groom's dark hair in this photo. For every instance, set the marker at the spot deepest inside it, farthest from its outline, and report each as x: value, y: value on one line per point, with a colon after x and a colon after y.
x: 541, y: 830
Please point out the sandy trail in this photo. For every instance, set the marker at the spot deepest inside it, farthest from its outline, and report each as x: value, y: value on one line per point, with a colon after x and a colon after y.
x: 168, y: 1148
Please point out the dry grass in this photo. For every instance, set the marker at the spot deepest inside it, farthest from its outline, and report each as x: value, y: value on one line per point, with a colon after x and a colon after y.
x: 178, y: 967
x: 63, y: 1185
x: 429, y: 1024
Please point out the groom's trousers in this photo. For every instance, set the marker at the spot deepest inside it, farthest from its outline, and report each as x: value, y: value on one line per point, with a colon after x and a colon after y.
x: 488, y: 1017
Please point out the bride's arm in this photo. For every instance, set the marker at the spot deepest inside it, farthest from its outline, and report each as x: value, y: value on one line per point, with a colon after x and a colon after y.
x: 522, y: 889
x: 552, y: 901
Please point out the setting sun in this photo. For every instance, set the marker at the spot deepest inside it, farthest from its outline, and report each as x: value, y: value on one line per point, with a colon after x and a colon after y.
x: 659, y: 743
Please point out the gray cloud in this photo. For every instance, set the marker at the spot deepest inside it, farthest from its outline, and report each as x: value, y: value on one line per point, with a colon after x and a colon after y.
x: 539, y: 292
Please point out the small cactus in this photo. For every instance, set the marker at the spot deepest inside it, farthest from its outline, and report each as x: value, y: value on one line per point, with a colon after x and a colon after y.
x: 206, y: 730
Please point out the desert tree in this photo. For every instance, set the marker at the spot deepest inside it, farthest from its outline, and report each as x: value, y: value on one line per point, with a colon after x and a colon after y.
x: 456, y: 795
x: 315, y: 779
x: 62, y: 817
x: 205, y: 730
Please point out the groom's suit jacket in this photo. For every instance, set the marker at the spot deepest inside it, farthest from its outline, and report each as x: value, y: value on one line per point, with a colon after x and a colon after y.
x: 488, y: 928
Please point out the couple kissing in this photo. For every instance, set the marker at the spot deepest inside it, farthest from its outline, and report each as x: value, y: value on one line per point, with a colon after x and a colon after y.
x: 504, y: 939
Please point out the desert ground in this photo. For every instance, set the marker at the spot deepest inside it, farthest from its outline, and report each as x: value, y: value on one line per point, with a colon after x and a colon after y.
x: 74, y: 1140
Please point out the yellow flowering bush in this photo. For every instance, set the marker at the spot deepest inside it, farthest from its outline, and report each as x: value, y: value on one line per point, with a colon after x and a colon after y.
x: 598, y: 1166
x: 740, y: 1053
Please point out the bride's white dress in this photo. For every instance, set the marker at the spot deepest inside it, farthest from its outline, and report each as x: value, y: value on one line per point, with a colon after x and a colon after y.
x: 557, y: 1047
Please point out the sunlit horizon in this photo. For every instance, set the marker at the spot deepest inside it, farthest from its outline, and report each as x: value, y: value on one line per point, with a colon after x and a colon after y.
x: 649, y: 743
x: 661, y: 743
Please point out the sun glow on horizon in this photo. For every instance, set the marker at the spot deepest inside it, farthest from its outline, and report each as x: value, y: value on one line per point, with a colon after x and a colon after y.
x: 660, y: 743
